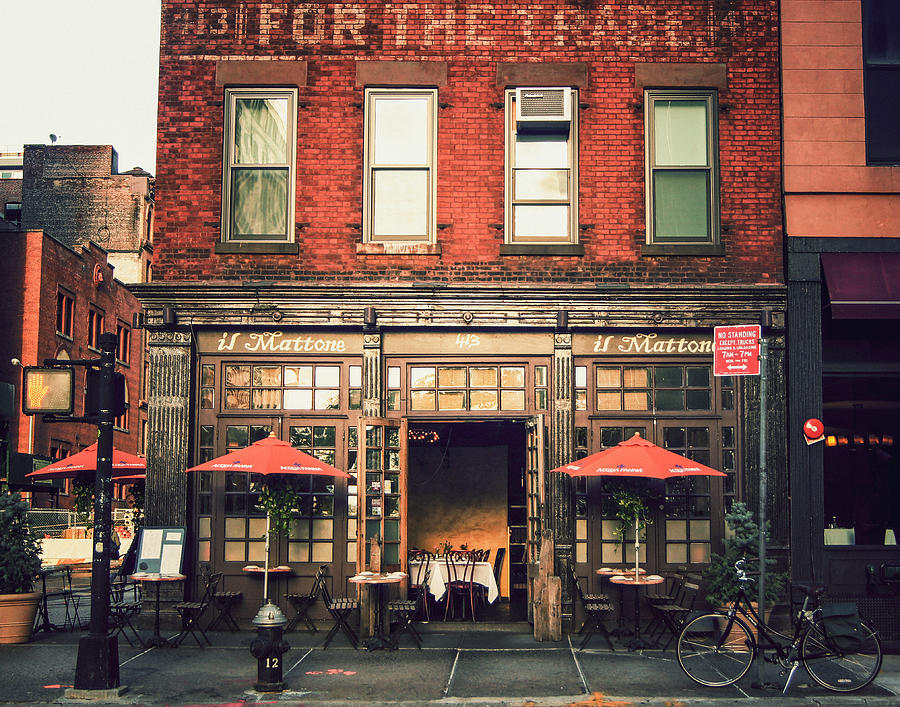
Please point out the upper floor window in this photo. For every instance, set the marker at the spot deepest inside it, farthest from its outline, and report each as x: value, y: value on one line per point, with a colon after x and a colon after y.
x: 259, y: 177
x: 881, y: 75
x: 95, y: 327
x: 123, y: 343
x: 682, y: 180
x: 400, y: 153
x: 65, y: 313
x: 541, y: 166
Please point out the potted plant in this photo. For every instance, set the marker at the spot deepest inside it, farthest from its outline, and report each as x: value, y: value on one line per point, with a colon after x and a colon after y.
x: 20, y: 563
x: 742, y: 541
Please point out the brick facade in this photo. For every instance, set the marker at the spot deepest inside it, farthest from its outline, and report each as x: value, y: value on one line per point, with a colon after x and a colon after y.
x: 472, y: 39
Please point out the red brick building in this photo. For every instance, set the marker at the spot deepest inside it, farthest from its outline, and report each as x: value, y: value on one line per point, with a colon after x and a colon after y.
x: 842, y: 216
x: 56, y: 302
x: 451, y: 246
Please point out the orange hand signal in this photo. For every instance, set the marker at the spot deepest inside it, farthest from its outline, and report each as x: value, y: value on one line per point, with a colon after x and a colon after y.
x: 37, y: 391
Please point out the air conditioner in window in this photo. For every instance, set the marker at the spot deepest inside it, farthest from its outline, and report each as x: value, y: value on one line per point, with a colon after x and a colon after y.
x: 543, y: 109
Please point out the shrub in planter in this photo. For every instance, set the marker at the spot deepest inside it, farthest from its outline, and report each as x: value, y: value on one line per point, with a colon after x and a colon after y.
x: 20, y: 562
x: 721, y: 580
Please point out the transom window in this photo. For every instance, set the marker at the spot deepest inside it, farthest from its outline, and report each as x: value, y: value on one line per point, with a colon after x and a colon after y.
x: 657, y: 388
x: 400, y: 153
x: 277, y: 387
x: 541, y: 175
x: 467, y: 387
x: 259, y: 173
x: 682, y: 167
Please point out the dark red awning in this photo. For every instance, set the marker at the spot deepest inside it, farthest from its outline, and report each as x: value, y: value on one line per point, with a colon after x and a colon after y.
x: 863, y: 285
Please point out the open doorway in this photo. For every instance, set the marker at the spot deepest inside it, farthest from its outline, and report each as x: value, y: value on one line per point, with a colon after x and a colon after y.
x: 466, y: 486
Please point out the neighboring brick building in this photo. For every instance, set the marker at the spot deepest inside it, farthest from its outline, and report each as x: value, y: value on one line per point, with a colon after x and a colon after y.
x: 76, y: 194
x: 841, y: 77
x: 56, y: 301
x: 495, y: 236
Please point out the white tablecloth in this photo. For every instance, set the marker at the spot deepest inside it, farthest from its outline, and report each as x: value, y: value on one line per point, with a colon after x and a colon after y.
x: 437, y: 581
x: 840, y: 536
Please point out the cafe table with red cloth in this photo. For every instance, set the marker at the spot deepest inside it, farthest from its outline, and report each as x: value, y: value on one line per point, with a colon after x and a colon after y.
x: 375, y: 622
x: 157, y: 579
x: 647, y: 580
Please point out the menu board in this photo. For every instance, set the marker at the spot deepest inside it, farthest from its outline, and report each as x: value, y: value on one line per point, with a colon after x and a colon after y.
x: 161, y: 550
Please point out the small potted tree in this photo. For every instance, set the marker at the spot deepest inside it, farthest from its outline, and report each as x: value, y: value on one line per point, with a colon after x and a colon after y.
x: 20, y: 563
x: 742, y: 541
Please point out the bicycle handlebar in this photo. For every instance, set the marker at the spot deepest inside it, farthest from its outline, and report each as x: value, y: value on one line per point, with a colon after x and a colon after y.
x: 742, y: 575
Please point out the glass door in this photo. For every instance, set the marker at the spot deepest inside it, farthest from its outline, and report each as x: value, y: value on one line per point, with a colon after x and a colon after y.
x: 529, y: 537
x: 381, y: 492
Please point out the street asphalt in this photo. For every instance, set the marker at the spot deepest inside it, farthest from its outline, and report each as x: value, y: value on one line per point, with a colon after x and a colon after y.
x: 471, y: 664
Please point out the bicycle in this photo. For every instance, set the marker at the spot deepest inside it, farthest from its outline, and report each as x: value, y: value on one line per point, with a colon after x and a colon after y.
x: 717, y: 648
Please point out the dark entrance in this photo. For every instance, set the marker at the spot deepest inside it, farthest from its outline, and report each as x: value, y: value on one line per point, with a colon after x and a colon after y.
x: 467, y: 487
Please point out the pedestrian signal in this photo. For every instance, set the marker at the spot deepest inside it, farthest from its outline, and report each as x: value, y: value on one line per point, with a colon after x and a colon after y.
x: 48, y: 391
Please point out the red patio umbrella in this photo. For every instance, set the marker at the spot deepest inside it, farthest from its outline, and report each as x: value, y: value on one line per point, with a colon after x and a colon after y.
x: 637, y: 458
x: 123, y: 464
x: 270, y: 455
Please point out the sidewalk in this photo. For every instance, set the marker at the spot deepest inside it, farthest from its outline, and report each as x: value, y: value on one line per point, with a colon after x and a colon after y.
x: 459, y: 664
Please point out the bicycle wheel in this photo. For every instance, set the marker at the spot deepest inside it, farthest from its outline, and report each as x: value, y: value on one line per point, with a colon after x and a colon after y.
x: 711, y: 654
x: 835, y: 669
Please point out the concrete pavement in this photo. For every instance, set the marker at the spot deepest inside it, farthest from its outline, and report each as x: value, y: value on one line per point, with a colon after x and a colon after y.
x: 459, y: 664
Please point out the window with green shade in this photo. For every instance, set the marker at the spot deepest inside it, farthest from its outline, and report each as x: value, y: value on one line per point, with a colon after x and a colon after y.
x: 682, y: 167
x: 259, y: 176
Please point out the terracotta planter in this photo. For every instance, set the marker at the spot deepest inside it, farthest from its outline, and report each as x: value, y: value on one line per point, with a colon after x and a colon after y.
x: 17, y: 613
x: 736, y: 637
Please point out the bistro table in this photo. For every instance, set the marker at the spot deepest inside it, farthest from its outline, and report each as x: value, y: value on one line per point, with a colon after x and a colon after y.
x: 157, y: 579
x: 274, y: 572
x: 636, y: 583
x: 377, y: 583
x: 606, y: 573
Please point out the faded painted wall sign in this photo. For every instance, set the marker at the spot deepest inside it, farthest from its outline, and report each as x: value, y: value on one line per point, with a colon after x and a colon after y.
x: 263, y: 342
x: 641, y: 344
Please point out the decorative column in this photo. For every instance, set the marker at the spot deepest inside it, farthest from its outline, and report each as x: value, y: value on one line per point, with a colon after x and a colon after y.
x: 168, y: 393
x: 560, y: 506
x: 373, y: 388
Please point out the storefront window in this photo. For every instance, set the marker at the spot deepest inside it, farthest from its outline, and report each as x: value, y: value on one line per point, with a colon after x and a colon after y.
x: 653, y: 388
x: 276, y: 387
x: 457, y: 388
x: 312, y: 532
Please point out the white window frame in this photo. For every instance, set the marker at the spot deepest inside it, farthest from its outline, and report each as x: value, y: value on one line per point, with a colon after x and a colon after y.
x: 230, y: 167
x: 371, y: 168
x: 510, y: 237
x: 710, y: 166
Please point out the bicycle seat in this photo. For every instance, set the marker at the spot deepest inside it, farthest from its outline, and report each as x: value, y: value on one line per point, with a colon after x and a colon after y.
x: 811, y: 590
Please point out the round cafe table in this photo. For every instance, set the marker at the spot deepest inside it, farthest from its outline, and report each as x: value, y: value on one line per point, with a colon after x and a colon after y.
x: 606, y: 573
x: 377, y: 583
x: 642, y: 581
x: 157, y: 579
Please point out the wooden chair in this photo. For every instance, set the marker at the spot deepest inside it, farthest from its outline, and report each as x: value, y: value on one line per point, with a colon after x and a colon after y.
x: 671, y: 617
x: 460, y: 583
x: 418, y: 581
x: 595, y: 609
x: 340, y: 609
x: 302, y: 602
x: 191, y: 612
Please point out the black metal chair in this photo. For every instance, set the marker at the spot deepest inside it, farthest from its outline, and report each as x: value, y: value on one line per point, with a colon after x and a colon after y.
x: 191, y: 612
x: 302, y: 602
x: 596, y: 608
x: 125, y: 604
x: 340, y: 609
x: 671, y: 617
x: 460, y: 583
x: 404, y: 611
x: 418, y: 580
x: 225, y: 602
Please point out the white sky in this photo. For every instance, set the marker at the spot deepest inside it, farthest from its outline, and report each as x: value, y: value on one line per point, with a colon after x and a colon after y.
x: 84, y: 70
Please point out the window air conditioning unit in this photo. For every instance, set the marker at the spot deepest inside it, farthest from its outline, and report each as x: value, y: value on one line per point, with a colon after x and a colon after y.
x: 543, y: 109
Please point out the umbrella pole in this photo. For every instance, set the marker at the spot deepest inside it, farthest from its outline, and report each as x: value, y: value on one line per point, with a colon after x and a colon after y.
x: 266, y: 573
x: 637, y: 547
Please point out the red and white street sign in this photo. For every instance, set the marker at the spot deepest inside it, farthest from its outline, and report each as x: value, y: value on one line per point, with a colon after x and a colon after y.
x: 736, y: 350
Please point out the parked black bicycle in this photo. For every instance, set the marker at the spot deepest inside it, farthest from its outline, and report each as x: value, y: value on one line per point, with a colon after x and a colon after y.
x: 839, y: 650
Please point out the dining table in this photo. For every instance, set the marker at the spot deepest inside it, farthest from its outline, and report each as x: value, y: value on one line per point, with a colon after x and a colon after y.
x: 438, y: 577
x: 157, y: 580
x: 637, y: 582
x: 376, y: 584
x: 605, y: 573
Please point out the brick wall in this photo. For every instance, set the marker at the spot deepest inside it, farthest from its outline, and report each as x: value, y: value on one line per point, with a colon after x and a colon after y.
x: 33, y: 269
x: 472, y: 38
x: 73, y: 192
